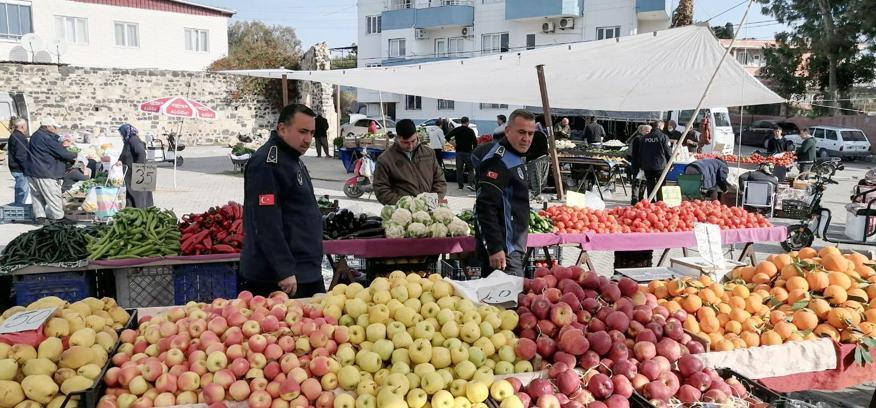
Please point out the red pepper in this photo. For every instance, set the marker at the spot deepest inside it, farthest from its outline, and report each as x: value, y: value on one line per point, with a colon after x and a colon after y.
x: 225, y: 249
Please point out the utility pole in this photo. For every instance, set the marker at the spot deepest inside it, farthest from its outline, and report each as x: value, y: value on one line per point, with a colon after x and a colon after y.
x: 830, y: 35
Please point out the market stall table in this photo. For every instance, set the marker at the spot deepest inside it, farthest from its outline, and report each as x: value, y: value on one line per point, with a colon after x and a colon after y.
x: 592, y: 167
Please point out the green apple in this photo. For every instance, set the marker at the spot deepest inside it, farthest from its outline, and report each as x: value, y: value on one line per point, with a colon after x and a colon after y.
x: 366, y: 401
x: 442, y: 399
x: 400, y: 368
x: 432, y: 383
x: 457, y: 387
x: 452, y: 343
x: 365, y: 376
x: 446, y: 374
x: 420, y: 351
x: 437, y: 340
x: 464, y: 370
x: 399, y: 293
x: 471, y: 316
x: 443, y: 316
x: 485, y: 344
x: 375, y: 331
x: 366, y: 387
x: 427, y: 296
x: 506, y: 353
x: 458, y: 354
x: 406, y: 316
x: 380, y: 376
x: 401, y: 356
x: 424, y: 330
x: 348, y: 377
x: 414, y: 304
x: 345, y: 354
x: 486, y: 329
x: 381, y: 297
x: 461, y: 402
x: 441, y: 357
x: 380, y: 284
x: 499, y: 340
x: 447, y: 302
x: 345, y: 400
x: 368, y: 361
x: 484, y: 375
x: 416, y: 398
x: 378, y: 313
x: 450, y: 330
x: 366, y: 345
x: 477, y: 356
x: 346, y: 320
x: 397, y: 383
x: 491, y: 363
x: 357, y: 334
x: 353, y: 289
x: 364, y: 295
x: 423, y: 369
x: 442, y: 289
x: 355, y: 308
x: 429, y: 309
x: 397, y: 277
x: 464, y: 305
x: 402, y: 339
x: 503, y: 368
x: 500, y: 390
x: 479, y: 405
x: 414, y: 289
x: 493, y: 319
x: 413, y: 379
x: 384, y: 348
x: 511, y: 402
x: 477, y: 391
x: 523, y: 366
x: 363, y: 320
x: 394, y: 327
x: 470, y: 332
x: 393, y: 305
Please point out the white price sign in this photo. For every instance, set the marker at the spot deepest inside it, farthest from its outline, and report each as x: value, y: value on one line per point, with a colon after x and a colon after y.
x: 144, y: 176
x: 497, y: 289
x: 26, y: 321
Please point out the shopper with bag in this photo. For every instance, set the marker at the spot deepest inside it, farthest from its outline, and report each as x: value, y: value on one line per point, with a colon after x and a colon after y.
x: 47, y: 160
x: 133, y: 151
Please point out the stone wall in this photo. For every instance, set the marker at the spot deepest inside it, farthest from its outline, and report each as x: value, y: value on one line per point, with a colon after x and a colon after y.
x: 319, y: 96
x: 82, y: 99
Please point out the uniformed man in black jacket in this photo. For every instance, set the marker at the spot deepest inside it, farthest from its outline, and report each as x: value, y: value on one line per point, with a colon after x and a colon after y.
x: 282, y: 248
x: 502, y: 203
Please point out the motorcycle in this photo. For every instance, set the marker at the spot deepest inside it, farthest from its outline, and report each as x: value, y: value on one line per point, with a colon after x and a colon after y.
x: 363, y: 171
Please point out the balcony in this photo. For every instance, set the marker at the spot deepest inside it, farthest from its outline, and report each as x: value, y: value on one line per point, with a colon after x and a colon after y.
x: 527, y: 9
x: 652, y: 9
x: 396, y: 61
x: 403, y: 14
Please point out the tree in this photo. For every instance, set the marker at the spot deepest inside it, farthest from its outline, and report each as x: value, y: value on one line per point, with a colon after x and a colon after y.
x: 724, y: 32
x: 683, y: 14
x: 254, y: 45
x: 822, y: 46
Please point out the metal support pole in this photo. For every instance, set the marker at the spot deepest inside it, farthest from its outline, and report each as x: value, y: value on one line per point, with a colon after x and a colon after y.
x: 545, y: 103
x: 285, y: 91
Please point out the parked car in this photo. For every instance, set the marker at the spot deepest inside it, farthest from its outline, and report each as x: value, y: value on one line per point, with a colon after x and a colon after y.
x: 719, y: 120
x: 358, y: 126
x: 760, y: 131
x: 454, y: 122
x: 832, y: 141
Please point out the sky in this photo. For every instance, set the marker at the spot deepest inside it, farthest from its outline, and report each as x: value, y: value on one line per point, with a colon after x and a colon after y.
x: 334, y: 21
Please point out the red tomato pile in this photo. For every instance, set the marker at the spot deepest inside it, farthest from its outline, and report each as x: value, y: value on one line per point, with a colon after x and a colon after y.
x: 786, y: 160
x: 648, y: 217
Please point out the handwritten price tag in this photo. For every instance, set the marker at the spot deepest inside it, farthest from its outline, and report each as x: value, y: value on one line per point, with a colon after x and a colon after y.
x: 26, y: 321
x: 143, y: 176
x: 497, y: 289
x: 498, y: 294
x: 671, y: 195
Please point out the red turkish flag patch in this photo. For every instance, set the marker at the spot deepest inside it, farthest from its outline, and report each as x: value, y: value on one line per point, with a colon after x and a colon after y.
x: 492, y: 174
x: 266, y: 199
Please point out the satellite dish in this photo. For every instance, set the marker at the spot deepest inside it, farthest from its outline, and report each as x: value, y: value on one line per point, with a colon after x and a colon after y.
x: 32, y: 43
x: 19, y: 54
x: 43, y: 57
x: 58, y: 48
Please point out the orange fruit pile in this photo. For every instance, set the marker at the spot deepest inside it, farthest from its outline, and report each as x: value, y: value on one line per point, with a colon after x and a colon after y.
x: 788, y: 297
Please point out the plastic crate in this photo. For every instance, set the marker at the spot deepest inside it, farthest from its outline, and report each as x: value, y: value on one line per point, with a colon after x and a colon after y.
x: 16, y: 213
x: 144, y: 286
x: 755, y: 388
x: 676, y: 170
x: 204, y: 282
x: 70, y: 286
x: 795, y: 209
x: 346, y: 155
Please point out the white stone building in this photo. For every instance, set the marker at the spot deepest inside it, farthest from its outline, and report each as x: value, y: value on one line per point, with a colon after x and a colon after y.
x: 394, y: 32
x: 151, y: 34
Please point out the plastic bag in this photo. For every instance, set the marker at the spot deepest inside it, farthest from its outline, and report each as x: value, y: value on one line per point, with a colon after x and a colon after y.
x: 107, y: 201
x: 90, y: 202
x: 592, y: 201
x: 116, y: 176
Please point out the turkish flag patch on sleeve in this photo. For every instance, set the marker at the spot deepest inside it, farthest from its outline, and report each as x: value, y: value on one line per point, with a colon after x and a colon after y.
x: 493, y: 175
x: 266, y: 199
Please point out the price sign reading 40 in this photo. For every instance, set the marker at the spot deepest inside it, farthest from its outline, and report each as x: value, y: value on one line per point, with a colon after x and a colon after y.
x: 26, y: 321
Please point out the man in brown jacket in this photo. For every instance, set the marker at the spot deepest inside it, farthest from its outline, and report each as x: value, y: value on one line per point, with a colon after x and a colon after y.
x: 407, y: 168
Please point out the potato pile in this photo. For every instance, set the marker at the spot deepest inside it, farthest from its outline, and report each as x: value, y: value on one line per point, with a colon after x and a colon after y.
x: 42, y: 376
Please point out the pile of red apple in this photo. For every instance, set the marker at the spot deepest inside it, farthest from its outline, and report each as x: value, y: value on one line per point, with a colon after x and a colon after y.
x: 270, y: 352
x: 619, y: 339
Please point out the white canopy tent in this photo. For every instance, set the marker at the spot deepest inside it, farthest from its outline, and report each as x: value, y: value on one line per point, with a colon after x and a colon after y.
x: 660, y: 71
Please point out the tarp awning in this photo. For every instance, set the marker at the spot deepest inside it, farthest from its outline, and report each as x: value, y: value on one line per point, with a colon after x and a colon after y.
x: 660, y: 71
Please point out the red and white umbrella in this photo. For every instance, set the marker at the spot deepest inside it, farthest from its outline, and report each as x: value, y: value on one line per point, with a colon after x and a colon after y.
x: 178, y: 106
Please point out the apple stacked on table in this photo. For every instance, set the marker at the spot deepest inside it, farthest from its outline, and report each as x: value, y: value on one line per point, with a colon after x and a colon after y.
x: 618, y: 338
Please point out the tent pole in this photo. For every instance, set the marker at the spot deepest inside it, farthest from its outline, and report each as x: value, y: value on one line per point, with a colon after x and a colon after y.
x: 549, y: 124
x: 285, y: 82
x: 339, y: 115
x: 696, y: 113
x: 382, y: 115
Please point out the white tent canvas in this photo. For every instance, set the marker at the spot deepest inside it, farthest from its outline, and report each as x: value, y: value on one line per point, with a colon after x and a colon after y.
x: 664, y: 70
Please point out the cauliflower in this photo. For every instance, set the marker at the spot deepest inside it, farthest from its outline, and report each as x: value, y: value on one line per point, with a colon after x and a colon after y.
x: 387, y: 211
x: 401, y: 217
x: 411, y: 204
x: 438, y: 230
x: 458, y: 228
x: 417, y: 230
x: 430, y: 200
x: 443, y: 215
x: 422, y: 217
x: 395, y: 231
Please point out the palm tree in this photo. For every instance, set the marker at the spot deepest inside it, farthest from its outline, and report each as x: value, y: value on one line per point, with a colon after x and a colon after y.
x: 683, y: 14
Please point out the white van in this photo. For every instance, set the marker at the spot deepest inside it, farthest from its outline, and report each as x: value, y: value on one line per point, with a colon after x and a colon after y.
x: 12, y: 104
x: 719, y: 118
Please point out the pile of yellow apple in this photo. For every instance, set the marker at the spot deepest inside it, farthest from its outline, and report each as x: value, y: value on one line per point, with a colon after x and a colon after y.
x: 78, y: 338
x: 413, y: 342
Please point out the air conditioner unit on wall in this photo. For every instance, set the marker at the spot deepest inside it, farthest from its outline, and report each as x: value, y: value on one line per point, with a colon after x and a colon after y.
x: 468, y: 31
x: 548, y: 27
x: 419, y: 33
x: 567, y: 23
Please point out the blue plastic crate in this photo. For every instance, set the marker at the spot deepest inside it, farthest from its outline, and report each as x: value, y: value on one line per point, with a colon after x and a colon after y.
x: 16, y: 213
x: 346, y: 156
x: 676, y: 170
x: 203, y: 282
x: 70, y: 286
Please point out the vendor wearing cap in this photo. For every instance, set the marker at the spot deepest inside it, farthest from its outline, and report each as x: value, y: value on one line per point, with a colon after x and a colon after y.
x: 46, y: 163
x: 764, y: 172
x: 282, y: 248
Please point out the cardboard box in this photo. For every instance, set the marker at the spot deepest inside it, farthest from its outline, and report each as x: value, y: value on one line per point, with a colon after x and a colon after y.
x: 696, y: 266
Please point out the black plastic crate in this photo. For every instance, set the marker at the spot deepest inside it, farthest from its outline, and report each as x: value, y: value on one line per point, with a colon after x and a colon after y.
x: 148, y: 286
x: 204, y: 282
x: 756, y: 389
x: 70, y: 286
